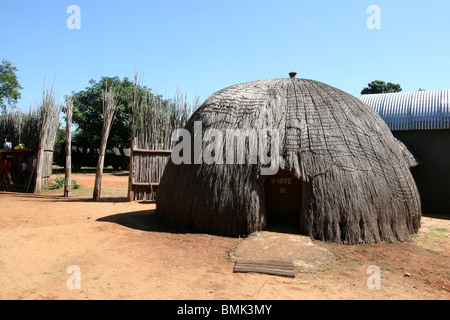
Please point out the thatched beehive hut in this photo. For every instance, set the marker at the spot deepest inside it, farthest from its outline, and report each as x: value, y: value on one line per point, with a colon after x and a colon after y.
x: 342, y: 175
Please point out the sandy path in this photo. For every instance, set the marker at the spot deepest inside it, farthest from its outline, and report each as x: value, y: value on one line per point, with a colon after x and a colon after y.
x: 123, y: 254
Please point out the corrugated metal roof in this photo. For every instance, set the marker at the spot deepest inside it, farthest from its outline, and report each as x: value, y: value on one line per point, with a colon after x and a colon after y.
x: 417, y: 110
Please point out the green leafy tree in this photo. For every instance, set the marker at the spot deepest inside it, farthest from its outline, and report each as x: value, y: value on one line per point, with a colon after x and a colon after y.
x: 88, y: 112
x: 379, y: 86
x: 9, y: 85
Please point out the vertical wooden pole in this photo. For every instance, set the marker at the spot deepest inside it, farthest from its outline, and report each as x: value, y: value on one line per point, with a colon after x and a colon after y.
x: 98, y: 175
x: 131, y: 171
x: 68, y: 172
x: 135, y: 111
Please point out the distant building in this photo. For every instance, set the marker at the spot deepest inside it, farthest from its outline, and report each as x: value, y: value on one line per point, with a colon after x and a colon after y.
x: 421, y: 120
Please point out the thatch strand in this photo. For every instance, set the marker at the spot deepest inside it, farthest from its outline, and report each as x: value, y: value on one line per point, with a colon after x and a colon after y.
x: 359, y: 186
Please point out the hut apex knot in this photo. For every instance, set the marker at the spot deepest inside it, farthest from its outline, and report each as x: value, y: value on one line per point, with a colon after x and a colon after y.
x: 292, y: 74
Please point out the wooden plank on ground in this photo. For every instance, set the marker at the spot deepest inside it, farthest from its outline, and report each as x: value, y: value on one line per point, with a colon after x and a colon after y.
x: 272, y: 267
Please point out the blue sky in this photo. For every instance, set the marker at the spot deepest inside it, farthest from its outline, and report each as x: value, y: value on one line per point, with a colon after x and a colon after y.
x: 201, y: 46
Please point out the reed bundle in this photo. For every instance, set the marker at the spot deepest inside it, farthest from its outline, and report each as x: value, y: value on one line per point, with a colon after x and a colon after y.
x: 109, y: 109
x: 49, y: 113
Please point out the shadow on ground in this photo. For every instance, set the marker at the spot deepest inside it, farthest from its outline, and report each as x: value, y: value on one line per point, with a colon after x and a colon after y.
x: 144, y: 220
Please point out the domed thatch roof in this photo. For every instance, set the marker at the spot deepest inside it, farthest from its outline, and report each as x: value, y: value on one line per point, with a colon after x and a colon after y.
x: 357, y: 185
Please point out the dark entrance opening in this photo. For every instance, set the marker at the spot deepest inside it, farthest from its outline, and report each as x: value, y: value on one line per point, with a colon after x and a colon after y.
x: 284, y: 195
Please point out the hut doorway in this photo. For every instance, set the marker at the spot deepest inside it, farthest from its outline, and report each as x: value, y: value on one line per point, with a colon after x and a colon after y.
x: 284, y: 195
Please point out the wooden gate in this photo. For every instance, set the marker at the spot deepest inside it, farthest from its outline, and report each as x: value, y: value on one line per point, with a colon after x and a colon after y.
x: 146, y: 169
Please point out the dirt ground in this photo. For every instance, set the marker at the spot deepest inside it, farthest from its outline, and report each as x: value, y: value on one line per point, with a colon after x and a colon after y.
x: 122, y: 253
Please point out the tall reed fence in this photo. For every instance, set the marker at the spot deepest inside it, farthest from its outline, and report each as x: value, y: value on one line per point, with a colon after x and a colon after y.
x: 21, y: 127
x: 36, y: 130
x: 153, y: 121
